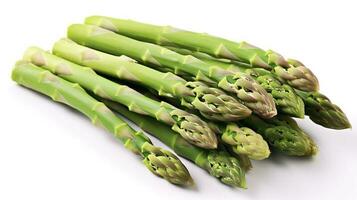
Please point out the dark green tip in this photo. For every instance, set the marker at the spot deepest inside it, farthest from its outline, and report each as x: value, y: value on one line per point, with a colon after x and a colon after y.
x: 286, y: 100
x: 323, y: 112
x: 286, y: 136
x: 283, y: 134
x: 289, y: 141
x: 226, y: 168
x: 165, y: 164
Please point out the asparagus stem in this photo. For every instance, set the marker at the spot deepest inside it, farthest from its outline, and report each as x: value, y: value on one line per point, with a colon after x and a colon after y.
x: 288, y: 101
x: 188, y: 125
x: 159, y: 161
x: 248, y: 91
x: 210, y: 102
x: 218, y: 163
x: 240, y: 141
x: 285, y: 98
x: 291, y: 71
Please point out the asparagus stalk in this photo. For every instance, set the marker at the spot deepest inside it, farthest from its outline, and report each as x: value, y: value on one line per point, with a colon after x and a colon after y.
x: 291, y: 71
x: 191, y: 127
x: 159, y: 161
x: 210, y: 102
x: 322, y: 111
x: 285, y: 98
x: 247, y: 89
x: 240, y: 141
x: 218, y: 163
x: 283, y: 134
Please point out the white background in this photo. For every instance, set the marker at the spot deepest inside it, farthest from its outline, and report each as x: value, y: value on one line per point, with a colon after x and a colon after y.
x: 48, y: 151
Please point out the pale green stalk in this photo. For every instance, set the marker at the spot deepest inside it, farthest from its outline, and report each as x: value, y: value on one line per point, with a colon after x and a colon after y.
x: 211, y: 102
x: 188, y: 125
x: 241, y: 141
x: 217, y: 162
x: 159, y: 161
x: 248, y: 91
x: 285, y: 98
x: 290, y: 71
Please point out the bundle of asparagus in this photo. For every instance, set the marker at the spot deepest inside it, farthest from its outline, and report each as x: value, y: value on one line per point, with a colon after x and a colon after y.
x: 213, y: 101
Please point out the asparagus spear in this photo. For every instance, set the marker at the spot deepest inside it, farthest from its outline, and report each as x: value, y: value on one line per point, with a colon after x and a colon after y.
x: 159, y: 161
x: 191, y: 127
x: 240, y: 141
x: 288, y: 101
x: 247, y: 89
x: 218, y: 163
x: 291, y: 71
x: 322, y: 111
x: 285, y: 98
x: 283, y: 134
x: 210, y: 102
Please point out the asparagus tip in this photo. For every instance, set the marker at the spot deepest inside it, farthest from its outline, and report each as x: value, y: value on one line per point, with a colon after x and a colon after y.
x: 226, y: 168
x: 247, y: 142
x: 166, y: 165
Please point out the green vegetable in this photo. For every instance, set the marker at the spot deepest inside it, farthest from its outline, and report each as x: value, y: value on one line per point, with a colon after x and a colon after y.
x: 211, y: 102
x: 283, y: 134
x: 244, y: 141
x: 218, y: 163
x: 191, y: 127
x: 285, y: 98
x: 322, y: 111
x: 247, y: 89
x: 239, y: 140
x: 159, y: 161
x: 291, y: 71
